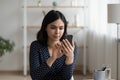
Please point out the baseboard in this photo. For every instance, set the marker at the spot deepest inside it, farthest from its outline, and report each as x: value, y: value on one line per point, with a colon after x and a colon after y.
x: 78, y: 70
x: 12, y: 72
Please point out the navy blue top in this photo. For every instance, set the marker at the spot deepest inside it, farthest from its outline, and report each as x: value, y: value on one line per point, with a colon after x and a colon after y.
x: 39, y: 70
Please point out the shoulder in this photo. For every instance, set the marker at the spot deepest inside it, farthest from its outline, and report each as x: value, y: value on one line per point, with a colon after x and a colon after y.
x: 35, y: 44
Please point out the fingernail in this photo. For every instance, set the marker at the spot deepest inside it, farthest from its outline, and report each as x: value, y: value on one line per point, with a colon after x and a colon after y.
x: 62, y: 47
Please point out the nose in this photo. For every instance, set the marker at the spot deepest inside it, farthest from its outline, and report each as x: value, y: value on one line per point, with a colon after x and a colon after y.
x: 57, y: 31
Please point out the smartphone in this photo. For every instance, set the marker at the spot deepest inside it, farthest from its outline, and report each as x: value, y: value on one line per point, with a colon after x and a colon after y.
x: 69, y: 38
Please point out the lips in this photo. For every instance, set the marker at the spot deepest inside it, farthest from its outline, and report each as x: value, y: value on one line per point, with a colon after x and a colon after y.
x: 57, y: 37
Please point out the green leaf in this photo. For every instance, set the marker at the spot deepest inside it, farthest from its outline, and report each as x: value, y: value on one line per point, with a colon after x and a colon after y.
x: 5, y: 46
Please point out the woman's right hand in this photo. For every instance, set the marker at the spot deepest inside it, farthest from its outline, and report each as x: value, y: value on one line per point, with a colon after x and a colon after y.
x: 57, y: 51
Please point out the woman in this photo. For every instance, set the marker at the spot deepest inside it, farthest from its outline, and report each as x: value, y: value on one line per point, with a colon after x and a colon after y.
x: 51, y: 56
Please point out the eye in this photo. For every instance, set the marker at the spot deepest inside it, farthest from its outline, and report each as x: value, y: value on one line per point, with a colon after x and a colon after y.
x: 53, y: 27
x: 61, y: 28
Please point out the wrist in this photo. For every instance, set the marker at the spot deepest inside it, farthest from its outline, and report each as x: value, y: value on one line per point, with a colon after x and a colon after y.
x: 70, y: 57
x: 69, y: 60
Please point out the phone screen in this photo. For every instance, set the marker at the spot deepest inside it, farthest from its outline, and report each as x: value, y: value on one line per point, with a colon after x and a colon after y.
x: 69, y: 38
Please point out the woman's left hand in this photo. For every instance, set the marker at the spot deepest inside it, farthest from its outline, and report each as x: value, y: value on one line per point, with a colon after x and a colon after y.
x: 67, y: 48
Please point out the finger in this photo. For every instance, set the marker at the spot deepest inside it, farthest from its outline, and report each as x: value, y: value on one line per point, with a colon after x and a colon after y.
x: 73, y: 43
x: 67, y: 44
x: 62, y: 46
x: 64, y: 49
x: 60, y: 53
x: 57, y: 45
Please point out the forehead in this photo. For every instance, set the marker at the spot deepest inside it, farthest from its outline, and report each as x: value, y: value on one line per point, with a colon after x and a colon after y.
x: 57, y: 22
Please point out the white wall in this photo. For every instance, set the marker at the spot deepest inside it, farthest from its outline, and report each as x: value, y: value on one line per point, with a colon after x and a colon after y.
x: 11, y: 21
x: 10, y: 28
x: 102, y: 49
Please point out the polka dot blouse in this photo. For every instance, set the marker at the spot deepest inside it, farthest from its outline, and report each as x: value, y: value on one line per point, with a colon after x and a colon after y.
x: 39, y: 70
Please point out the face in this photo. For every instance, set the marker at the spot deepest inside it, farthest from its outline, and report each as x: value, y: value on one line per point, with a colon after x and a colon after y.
x: 55, y: 30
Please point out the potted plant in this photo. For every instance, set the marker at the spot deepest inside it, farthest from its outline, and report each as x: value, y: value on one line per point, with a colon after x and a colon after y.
x: 5, y: 46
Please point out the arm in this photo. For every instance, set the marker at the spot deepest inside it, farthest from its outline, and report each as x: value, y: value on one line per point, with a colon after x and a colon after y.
x: 38, y: 67
x: 67, y: 69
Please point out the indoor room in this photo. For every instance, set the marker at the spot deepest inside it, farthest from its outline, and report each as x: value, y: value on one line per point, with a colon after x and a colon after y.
x: 95, y: 42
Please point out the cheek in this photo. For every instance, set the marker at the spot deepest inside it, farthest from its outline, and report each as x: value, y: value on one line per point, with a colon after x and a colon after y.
x: 62, y: 31
x: 51, y: 32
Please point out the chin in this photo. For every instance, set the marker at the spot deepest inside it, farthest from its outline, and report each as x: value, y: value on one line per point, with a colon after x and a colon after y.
x: 56, y: 39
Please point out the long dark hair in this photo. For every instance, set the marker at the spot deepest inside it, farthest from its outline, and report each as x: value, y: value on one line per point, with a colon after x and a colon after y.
x: 50, y: 17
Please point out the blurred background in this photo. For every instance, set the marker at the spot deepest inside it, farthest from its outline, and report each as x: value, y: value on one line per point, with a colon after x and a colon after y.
x: 87, y: 22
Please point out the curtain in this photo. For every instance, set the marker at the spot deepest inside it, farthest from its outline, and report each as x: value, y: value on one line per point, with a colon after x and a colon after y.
x: 101, y: 37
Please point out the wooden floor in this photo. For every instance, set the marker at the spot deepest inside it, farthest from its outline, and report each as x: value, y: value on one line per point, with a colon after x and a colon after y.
x: 8, y: 76
x: 81, y: 76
